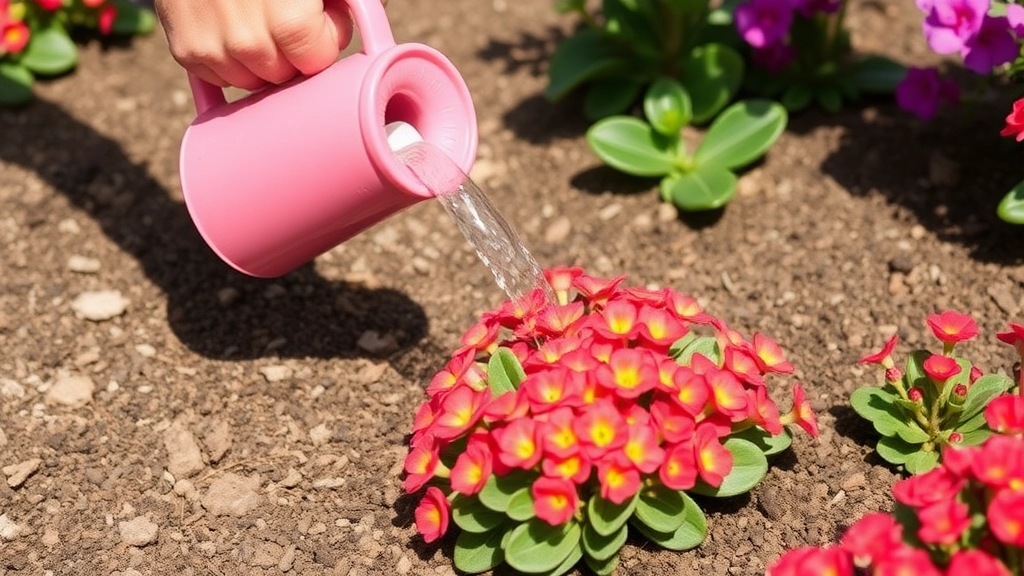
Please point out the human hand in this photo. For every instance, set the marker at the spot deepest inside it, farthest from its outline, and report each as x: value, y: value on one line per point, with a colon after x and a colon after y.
x: 252, y: 43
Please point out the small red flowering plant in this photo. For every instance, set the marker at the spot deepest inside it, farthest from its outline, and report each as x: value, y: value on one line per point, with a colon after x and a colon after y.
x: 35, y: 37
x: 964, y: 517
x: 938, y: 400
x: 563, y: 424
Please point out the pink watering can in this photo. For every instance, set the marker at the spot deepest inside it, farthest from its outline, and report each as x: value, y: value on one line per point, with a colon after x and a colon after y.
x: 283, y: 175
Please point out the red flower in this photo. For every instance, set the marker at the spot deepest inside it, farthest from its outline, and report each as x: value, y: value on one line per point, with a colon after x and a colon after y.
x: 558, y: 435
x: 872, y: 538
x: 642, y: 449
x: 976, y: 563
x: 810, y: 561
x: 14, y: 37
x: 629, y: 372
x: 727, y: 393
x: 617, y: 321
x: 561, y: 281
x: 432, y: 515
x: 619, y: 480
x: 1005, y: 518
x: 554, y: 500
x: 575, y: 468
x: 1005, y: 414
x: 673, y: 423
x: 763, y: 411
x: 472, y: 468
x: 691, y: 390
x: 951, y: 327
x: 933, y: 486
x: 552, y: 388
x: 714, y: 462
x: 884, y: 356
x: 802, y: 414
x: 679, y: 470
x: 559, y: 319
x: 999, y: 463
x: 460, y: 411
x: 743, y: 364
x: 943, y: 522
x: 1014, y: 337
x: 904, y: 561
x: 770, y: 355
x: 420, y: 464
x: 50, y: 5
x: 519, y: 443
x: 941, y: 368
x: 1015, y: 122
x: 687, y: 308
x: 660, y: 328
x: 601, y: 429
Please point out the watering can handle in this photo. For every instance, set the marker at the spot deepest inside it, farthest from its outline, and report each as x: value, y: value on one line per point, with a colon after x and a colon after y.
x: 374, y: 30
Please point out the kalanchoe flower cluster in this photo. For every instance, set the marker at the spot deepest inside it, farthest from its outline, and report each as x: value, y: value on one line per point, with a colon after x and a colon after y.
x: 765, y: 25
x: 938, y: 400
x: 587, y: 404
x: 15, y: 33
x: 964, y: 518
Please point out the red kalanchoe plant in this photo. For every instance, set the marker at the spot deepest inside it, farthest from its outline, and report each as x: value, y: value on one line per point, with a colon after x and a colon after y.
x: 561, y: 425
x: 938, y: 400
x: 1015, y: 122
x: 962, y: 518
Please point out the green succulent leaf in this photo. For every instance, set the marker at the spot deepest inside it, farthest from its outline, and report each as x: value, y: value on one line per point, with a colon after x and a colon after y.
x: 741, y: 134
x: 132, y: 19
x: 660, y: 508
x: 1011, y: 208
x: 520, y: 505
x: 600, y: 547
x: 504, y: 373
x: 580, y: 58
x: 706, y: 187
x: 749, y: 466
x: 895, y: 450
x: 50, y: 51
x: 498, y: 490
x: 471, y: 515
x: 797, y: 97
x: 706, y: 346
x: 606, y: 97
x: 878, y: 406
x: 712, y: 74
x: 921, y: 462
x: 975, y: 437
x: 877, y: 75
x: 983, y: 391
x: 605, y: 567
x: 632, y: 146
x: 536, y: 546
x: 478, y: 552
x: 768, y: 443
x: 830, y: 99
x: 667, y: 106
x: 15, y: 84
x: 608, y: 517
x: 690, y: 534
x: 570, y: 561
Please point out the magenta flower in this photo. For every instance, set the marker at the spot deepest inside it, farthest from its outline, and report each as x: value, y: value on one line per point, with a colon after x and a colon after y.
x: 951, y: 24
x: 992, y: 46
x: 808, y: 8
x: 764, y: 22
x: 774, y: 57
x: 921, y: 92
x: 1015, y: 17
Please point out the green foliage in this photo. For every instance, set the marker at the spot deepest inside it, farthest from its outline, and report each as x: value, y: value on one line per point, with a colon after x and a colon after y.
x: 50, y: 51
x: 704, y: 180
x: 504, y: 374
x: 914, y: 432
x: 1011, y: 208
x: 749, y: 466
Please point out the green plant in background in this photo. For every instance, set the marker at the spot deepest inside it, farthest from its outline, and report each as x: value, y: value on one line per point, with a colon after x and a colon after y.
x: 630, y: 43
x: 701, y: 180
x: 800, y: 54
x: 35, y: 37
x: 939, y: 400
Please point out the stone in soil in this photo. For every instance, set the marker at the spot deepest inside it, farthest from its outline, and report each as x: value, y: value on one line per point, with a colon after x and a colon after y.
x: 184, y: 459
x: 99, y: 305
x: 83, y: 264
x: 217, y: 440
x: 8, y: 529
x: 276, y: 373
x: 18, y: 473
x: 375, y: 343
x: 232, y: 495
x: 71, y: 390
x: 139, y: 531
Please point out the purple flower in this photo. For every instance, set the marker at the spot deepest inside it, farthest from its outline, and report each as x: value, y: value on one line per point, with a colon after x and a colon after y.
x: 764, y: 22
x: 992, y: 46
x: 921, y: 92
x: 1015, y: 16
x: 950, y: 24
x: 774, y: 57
x: 808, y: 8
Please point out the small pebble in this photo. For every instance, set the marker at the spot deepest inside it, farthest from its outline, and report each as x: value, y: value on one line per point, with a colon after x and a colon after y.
x: 667, y: 212
x: 227, y: 296
x: 8, y: 529
x: 558, y: 231
x: 276, y: 373
x: 18, y: 473
x: 291, y: 478
x: 145, y: 350
x: 83, y: 264
x: 287, y: 559
x: 71, y: 390
x: 376, y: 343
x: 139, y: 531
x: 320, y: 435
x: 184, y: 458
x: 232, y: 495
x: 100, y: 305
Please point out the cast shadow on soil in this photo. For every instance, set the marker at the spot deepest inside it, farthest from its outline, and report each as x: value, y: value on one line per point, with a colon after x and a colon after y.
x: 299, y: 315
x: 851, y: 425
x: 948, y: 174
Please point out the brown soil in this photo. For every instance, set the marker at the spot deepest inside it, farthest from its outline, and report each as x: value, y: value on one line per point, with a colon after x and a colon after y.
x: 855, y: 226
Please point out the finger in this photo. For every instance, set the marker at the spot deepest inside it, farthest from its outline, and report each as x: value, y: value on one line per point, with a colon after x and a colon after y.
x: 236, y: 74
x: 273, y: 67
x: 204, y: 73
x: 310, y: 39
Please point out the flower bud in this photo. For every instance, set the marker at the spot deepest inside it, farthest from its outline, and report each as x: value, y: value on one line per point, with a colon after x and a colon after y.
x: 955, y: 437
x: 959, y: 395
x: 915, y: 394
x: 975, y: 374
x: 893, y: 374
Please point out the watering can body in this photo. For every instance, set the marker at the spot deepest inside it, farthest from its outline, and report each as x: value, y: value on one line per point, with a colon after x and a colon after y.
x: 283, y: 175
